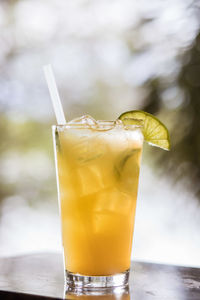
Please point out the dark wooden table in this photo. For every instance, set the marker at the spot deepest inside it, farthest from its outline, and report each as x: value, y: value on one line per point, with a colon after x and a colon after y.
x: 41, y: 275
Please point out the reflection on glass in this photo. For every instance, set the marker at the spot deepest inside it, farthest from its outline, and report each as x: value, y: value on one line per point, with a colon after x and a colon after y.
x: 118, y: 293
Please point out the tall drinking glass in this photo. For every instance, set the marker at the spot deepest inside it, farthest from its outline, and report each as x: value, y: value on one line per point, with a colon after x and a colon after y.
x: 97, y: 174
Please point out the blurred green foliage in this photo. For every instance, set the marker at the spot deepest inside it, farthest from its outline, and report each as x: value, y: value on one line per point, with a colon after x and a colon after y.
x: 183, y: 161
x: 22, y: 142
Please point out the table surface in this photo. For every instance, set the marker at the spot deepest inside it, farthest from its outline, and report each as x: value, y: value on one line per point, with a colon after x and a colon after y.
x: 38, y: 275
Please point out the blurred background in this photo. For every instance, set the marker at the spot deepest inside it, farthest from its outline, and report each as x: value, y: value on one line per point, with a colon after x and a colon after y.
x: 108, y: 57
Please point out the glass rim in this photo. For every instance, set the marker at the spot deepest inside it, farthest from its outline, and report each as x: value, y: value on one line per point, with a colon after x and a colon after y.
x: 94, y: 128
x: 104, y: 124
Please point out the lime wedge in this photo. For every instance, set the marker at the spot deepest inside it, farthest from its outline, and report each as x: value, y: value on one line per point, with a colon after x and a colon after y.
x: 154, y: 131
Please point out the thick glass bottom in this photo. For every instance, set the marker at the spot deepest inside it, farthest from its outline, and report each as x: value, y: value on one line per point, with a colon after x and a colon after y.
x: 78, y: 281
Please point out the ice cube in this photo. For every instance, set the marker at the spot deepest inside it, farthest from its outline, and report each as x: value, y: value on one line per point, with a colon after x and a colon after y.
x: 84, y: 120
x: 90, y: 148
x: 119, y: 123
x: 92, y: 178
x: 105, y: 125
x: 112, y: 207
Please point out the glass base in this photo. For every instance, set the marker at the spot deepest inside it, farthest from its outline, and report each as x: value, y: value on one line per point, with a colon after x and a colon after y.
x: 78, y: 281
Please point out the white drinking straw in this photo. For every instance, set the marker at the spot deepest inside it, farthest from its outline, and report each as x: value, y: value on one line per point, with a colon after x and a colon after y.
x: 58, y: 109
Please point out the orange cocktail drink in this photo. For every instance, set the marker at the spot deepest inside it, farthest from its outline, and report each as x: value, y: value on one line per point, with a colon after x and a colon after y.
x: 98, y: 167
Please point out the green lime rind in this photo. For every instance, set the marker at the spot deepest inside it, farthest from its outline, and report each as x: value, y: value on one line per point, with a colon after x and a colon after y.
x: 154, y: 131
